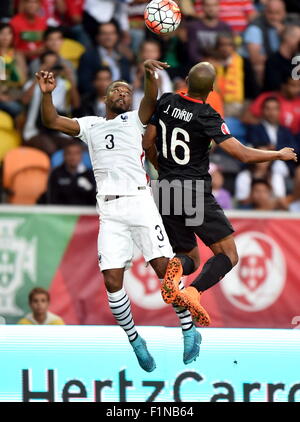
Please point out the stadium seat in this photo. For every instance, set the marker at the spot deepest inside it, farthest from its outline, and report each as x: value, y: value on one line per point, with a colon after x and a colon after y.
x: 237, y: 128
x: 72, y: 50
x: 25, y: 175
x: 9, y: 139
x: 6, y: 121
x: 58, y: 157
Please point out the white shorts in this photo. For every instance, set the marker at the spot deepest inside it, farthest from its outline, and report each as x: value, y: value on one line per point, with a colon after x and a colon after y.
x: 127, y: 221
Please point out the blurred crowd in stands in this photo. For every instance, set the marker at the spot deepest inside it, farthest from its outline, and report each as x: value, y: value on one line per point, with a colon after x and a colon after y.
x: 88, y: 43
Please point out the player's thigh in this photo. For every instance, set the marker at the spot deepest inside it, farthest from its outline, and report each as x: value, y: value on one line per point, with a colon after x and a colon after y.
x: 216, y: 225
x: 182, y: 238
x: 148, y: 231
x: 115, y: 244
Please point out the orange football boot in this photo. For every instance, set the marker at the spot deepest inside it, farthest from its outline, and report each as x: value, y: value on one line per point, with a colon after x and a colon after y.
x: 169, y: 286
x: 189, y: 298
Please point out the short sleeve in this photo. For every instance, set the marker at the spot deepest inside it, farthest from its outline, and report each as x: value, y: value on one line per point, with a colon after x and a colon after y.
x: 155, y: 117
x: 135, y: 116
x: 214, y: 127
x: 85, y: 123
x: 253, y: 34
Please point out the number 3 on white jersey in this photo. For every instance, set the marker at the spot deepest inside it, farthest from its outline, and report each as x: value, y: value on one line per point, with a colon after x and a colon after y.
x: 175, y: 142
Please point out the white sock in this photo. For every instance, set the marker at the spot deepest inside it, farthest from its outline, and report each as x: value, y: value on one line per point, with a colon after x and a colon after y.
x: 119, y: 304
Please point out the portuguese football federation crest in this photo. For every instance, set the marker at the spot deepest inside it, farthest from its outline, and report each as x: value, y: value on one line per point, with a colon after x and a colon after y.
x: 17, y: 260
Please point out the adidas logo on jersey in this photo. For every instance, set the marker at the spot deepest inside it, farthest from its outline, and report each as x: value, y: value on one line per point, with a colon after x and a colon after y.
x: 124, y: 117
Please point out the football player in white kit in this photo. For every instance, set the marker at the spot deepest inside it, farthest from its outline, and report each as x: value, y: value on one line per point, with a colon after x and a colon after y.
x: 128, y: 213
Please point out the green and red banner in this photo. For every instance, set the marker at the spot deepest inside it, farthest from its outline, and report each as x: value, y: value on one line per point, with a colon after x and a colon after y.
x: 55, y: 248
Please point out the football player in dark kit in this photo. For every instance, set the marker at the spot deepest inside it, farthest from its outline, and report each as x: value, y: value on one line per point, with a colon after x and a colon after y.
x: 181, y: 130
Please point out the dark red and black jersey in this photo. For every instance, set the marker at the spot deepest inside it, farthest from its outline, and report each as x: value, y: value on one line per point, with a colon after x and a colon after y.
x: 185, y: 128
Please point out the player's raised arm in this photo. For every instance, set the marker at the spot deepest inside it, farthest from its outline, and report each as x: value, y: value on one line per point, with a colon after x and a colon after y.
x: 50, y: 118
x: 251, y: 155
x: 149, y: 141
x: 148, y: 102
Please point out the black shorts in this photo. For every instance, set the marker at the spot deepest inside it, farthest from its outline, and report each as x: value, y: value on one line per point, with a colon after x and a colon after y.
x: 215, y: 226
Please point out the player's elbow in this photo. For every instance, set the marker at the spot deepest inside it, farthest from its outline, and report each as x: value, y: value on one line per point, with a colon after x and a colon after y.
x: 243, y: 155
x: 49, y: 123
x: 244, y: 158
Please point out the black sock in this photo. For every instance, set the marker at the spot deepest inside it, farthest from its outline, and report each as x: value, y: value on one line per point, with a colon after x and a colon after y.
x: 187, y: 264
x: 212, y: 272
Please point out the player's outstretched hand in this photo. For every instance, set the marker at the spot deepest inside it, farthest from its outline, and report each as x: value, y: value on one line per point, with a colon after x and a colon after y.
x: 287, y: 154
x: 46, y: 81
x: 152, y: 65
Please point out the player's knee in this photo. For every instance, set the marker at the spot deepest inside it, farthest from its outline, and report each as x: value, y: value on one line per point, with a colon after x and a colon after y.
x: 112, y: 283
x: 196, y: 260
x: 160, y: 266
x: 161, y: 271
x: 234, y: 258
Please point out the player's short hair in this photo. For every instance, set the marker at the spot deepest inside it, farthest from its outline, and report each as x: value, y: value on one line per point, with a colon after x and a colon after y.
x: 110, y: 86
x: 38, y: 291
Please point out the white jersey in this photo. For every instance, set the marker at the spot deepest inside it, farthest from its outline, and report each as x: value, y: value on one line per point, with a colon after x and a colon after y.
x: 116, y: 152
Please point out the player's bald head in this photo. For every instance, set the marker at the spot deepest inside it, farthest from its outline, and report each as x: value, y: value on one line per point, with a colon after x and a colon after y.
x: 201, y: 79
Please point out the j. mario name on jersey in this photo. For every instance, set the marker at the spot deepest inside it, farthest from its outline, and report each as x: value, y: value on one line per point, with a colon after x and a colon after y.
x: 177, y: 113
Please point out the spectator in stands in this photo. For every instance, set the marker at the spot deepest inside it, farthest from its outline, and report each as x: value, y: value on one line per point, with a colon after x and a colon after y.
x: 15, y: 72
x: 273, y: 172
x: 72, y: 183
x: 97, y: 12
x: 269, y: 133
x: 237, y: 13
x: 261, y: 197
x: 93, y: 104
x: 149, y: 50
x: 53, y: 40
x: 262, y: 37
x: 28, y: 27
x: 65, y: 98
x: 202, y: 33
x: 136, y: 23
x: 174, y: 51
x: 234, y: 81
x: 289, y: 99
x: 71, y: 15
x: 104, y: 54
x: 279, y: 64
x: 39, y: 301
x: 222, y: 195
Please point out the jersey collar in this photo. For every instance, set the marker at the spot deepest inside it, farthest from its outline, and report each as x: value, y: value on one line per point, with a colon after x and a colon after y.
x: 186, y: 97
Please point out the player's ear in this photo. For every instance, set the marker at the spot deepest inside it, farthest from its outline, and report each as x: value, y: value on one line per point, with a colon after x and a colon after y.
x: 105, y: 99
